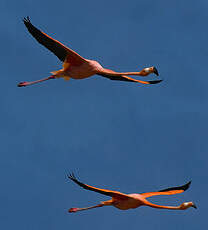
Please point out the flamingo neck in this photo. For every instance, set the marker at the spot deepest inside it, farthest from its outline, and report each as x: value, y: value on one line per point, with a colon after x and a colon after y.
x: 162, y: 206
x: 113, y: 73
x: 132, y: 73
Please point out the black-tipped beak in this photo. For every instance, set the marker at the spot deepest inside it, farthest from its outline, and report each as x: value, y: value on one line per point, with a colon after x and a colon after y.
x: 194, y: 206
x: 155, y: 71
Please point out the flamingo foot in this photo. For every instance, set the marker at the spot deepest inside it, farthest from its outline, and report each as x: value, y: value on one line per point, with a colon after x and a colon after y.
x: 72, y: 209
x: 21, y: 84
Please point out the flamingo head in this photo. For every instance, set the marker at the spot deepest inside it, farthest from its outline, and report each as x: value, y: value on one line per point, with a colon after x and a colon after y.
x: 186, y: 205
x: 149, y: 70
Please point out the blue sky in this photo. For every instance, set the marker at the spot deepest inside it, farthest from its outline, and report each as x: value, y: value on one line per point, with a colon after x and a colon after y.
x: 115, y: 135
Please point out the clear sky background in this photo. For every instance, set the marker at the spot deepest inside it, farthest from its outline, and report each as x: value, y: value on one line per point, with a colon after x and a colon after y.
x: 116, y: 135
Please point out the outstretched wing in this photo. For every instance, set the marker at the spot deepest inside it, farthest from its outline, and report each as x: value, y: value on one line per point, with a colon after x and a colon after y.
x: 102, y: 191
x: 60, y: 50
x: 125, y: 78
x: 168, y: 191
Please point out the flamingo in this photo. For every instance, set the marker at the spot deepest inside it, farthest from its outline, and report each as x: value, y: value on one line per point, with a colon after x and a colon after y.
x: 130, y: 201
x: 77, y: 67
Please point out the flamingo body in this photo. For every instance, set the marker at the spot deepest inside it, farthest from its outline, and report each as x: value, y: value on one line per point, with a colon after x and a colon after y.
x: 133, y: 201
x: 84, y: 70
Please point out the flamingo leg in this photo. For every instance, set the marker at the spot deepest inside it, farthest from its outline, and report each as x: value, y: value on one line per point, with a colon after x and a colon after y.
x: 26, y: 83
x: 82, y: 209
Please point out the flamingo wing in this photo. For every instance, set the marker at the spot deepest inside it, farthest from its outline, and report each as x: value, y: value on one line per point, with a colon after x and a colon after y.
x: 102, y: 191
x: 125, y: 78
x: 168, y: 191
x: 60, y: 50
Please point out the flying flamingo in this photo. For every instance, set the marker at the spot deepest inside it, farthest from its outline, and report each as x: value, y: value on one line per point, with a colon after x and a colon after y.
x: 77, y: 67
x: 128, y: 201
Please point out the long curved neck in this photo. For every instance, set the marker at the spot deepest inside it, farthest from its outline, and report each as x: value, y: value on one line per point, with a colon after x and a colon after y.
x: 129, y: 73
x: 113, y: 73
x: 161, y: 206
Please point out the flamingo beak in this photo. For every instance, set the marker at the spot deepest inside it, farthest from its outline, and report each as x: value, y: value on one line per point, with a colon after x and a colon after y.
x: 194, y: 206
x: 155, y: 71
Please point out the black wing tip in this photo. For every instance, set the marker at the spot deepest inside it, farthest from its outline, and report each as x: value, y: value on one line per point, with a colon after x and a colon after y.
x: 155, y: 82
x: 71, y: 176
x: 186, y: 186
x: 183, y: 187
x: 26, y: 19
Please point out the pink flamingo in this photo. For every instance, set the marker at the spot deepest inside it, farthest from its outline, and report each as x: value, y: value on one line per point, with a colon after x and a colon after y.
x: 77, y: 67
x: 128, y: 201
